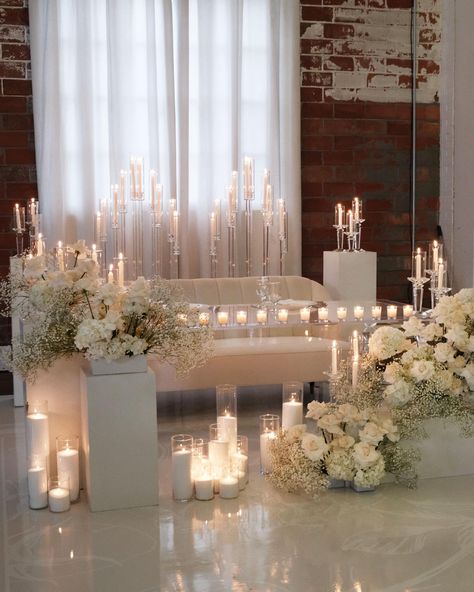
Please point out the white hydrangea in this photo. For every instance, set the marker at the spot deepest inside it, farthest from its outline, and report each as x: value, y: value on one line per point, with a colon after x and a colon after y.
x: 340, y: 464
x: 371, y: 433
x: 348, y: 413
x: 387, y: 342
x: 398, y: 393
x: 422, y: 370
x: 372, y: 475
x: 393, y: 372
x: 413, y: 327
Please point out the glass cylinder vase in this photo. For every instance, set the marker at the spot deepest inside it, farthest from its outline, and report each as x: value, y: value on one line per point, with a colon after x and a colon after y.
x: 226, y: 404
x: 269, y: 427
x: 292, y: 405
x: 181, y: 465
x: 67, y: 456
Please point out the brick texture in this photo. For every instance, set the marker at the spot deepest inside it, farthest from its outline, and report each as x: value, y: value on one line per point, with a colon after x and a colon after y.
x: 17, y: 157
x: 356, y: 79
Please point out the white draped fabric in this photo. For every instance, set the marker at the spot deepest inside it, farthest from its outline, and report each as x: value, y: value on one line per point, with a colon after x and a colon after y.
x: 191, y: 85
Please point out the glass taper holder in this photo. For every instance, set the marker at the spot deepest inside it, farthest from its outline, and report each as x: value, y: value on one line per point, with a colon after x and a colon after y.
x: 18, y: 226
x: 282, y: 233
x: 339, y: 216
x: 269, y: 428
x: 358, y: 221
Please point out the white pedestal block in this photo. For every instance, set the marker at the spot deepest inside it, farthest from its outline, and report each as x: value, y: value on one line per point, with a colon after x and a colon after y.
x: 120, y: 439
x: 350, y: 276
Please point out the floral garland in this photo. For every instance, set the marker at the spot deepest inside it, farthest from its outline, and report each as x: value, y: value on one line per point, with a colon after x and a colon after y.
x: 74, y: 311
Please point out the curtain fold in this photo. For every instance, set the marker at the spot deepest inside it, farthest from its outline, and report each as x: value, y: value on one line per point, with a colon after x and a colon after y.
x: 191, y: 85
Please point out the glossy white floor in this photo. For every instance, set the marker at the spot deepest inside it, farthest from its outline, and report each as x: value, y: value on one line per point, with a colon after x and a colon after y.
x: 394, y: 540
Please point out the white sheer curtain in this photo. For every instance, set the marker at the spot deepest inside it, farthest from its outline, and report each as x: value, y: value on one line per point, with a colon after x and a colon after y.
x: 192, y: 85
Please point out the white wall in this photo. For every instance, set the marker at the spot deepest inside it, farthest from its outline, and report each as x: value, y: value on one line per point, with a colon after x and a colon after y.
x: 457, y: 140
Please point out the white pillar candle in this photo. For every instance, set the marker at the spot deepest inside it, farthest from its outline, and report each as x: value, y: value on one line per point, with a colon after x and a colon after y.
x: 339, y: 214
x: 204, y: 487
x: 59, y: 500
x: 376, y: 312
x: 292, y: 414
x: 241, y: 317
x: 17, y: 218
x: 342, y: 313
x: 358, y: 312
x: 68, y: 466
x: 37, y: 487
x: 350, y: 221
x: 120, y: 267
x: 435, y: 249
x: 323, y: 313
x: 223, y: 318
x: 334, y: 357
x: 110, y: 275
x: 261, y: 316
x: 227, y: 425
x: 218, y: 454
x: 392, y: 311
x: 229, y: 487
x: 440, y: 274
x: 266, y: 440
x: 407, y: 311
x: 283, y: 315
x: 181, y: 474
x: 37, y: 431
x: 241, y: 463
x: 305, y: 314
x: 204, y: 319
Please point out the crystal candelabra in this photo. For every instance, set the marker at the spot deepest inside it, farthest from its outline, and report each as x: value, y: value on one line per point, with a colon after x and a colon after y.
x: 358, y: 221
x: 249, y: 194
x: 18, y: 226
x: 156, y: 213
x: 213, y: 243
x: 439, y: 286
x: 231, y: 223
x: 173, y: 239
x: 282, y: 233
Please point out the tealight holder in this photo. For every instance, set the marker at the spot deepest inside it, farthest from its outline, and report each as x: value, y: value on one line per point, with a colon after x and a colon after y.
x: 204, y: 319
x: 37, y: 482
x: 59, y: 499
x: 181, y: 467
x: 261, y: 316
x: 201, y: 470
x: 407, y: 311
x: 359, y: 313
x: 282, y: 315
x: 323, y: 314
x: 269, y: 428
x: 341, y: 313
x: 67, y: 457
x: 376, y: 312
x: 229, y: 483
x: 292, y: 404
x: 305, y: 314
x: 241, y: 316
x: 392, y: 312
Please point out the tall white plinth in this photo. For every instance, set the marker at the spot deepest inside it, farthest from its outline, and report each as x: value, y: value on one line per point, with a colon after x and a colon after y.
x: 350, y: 276
x: 120, y: 439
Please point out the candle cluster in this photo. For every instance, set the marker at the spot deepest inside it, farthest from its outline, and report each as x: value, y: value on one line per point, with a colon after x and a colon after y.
x: 348, y: 223
x: 203, y: 467
x: 24, y: 217
x: 428, y: 266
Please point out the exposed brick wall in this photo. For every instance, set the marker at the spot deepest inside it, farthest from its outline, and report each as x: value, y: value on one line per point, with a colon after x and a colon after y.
x: 356, y: 128
x: 17, y: 157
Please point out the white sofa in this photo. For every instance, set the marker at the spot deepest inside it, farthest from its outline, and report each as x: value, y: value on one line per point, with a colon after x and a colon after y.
x: 251, y: 357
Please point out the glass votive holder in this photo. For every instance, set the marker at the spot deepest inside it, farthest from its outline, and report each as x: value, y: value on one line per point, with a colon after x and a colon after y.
x: 181, y: 467
x: 18, y: 219
x: 262, y: 316
x: 282, y: 315
x: 218, y: 452
x: 341, y: 313
x: 37, y: 428
x: 37, y: 482
x: 269, y: 427
x: 67, y: 456
x: 59, y: 499
x: 203, y: 319
x: 358, y: 313
x: 407, y: 311
x: 229, y: 484
x: 226, y: 405
x: 323, y: 314
x: 241, y: 315
x: 392, y: 311
x: 223, y: 318
x: 418, y: 264
x: 305, y: 314
x: 292, y: 406
x: 240, y: 461
x: 376, y: 313
x: 339, y: 215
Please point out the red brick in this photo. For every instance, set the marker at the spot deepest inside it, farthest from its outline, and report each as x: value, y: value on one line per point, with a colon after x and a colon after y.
x: 315, y: 14
x: 310, y: 62
x: 338, y: 157
x: 429, y: 112
x: 15, y: 51
x: 19, y: 191
x: 350, y: 173
x: 316, y: 110
x: 363, y: 188
x: 12, y: 3
x: 394, y: 65
x: 376, y: 4
x: 312, y: 157
x: 399, y: 3
x: 346, y: 127
x: 404, y: 81
x: 309, y: 190
x: 347, y: 110
x: 12, y: 70
x: 403, y: 110
x: 14, y: 16
x: 311, y: 127
x: 319, y: 205
x: 12, y: 104
x: 423, y: 142
x: 398, y: 128
x: 316, y: 174
x: 14, y: 156
x: 312, y: 2
x: 316, y: 46
x: 429, y: 66
x: 339, y: 63
x: 338, y: 31
x: 427, y: 128
x: 19, y: 139
x: 375, y: 205
x: 317, y: 143
x: 12, y: 33
x: 428, y: 36
x: 341, y: 142
x: 14, y: 173
x: 369, y: 64
x: 316, y: 79
x: 379, y: 111
x: 340, y: 190
x: 339, y: 2
x: 17, y: 122
x: 17, y: 87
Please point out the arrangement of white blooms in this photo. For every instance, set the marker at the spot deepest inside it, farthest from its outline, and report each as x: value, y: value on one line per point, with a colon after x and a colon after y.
x: 347, y: 444
x: 74, y: 311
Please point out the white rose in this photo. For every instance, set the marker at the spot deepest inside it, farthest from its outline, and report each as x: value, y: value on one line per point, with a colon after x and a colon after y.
x: 314, y: 447
x: 386, y: 342
x: 365, y: 454
x: 431, y: 331
x: 390, y: 429
x: 343, y: 442
x: 317, y: 410
x: 348, y: 413
x: 398, y: 394
x: 422, y: 370
x: 295, y: 433
x: 330, y: 423
x: 371, y: 433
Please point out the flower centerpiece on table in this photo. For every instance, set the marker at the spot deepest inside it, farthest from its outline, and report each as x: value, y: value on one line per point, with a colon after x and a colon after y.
x: 74, y: 311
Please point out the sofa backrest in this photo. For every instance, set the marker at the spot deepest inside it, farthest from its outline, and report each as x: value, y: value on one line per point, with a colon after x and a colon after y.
x: 244, y: 290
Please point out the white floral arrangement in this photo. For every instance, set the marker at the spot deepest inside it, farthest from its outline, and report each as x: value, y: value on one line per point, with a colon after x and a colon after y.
x: 74, y: 311
x: 347, y: 444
